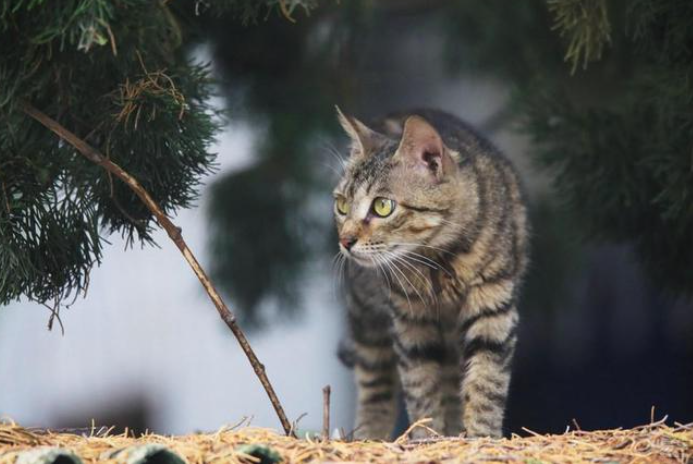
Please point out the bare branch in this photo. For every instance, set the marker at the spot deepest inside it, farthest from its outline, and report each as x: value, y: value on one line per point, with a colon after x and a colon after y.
x: 174, y: 233
x: 326, y: 412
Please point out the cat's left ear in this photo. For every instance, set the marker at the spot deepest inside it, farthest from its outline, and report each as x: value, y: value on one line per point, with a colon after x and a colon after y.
x: 422, y: 148
x: 364, y: 140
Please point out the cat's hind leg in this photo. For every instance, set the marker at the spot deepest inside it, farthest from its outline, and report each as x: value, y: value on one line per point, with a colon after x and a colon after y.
x: 451, y: 384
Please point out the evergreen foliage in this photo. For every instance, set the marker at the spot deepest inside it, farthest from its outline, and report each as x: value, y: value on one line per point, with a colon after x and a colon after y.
x: 264, y: 226
x: 117, y: 75
x: 587, y: 25
x: 624, y: 165
x: 612, y: 125
x: 616, y: 136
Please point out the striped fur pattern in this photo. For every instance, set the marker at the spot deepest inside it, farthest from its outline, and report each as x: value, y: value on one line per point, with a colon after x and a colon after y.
x: 432, y: 288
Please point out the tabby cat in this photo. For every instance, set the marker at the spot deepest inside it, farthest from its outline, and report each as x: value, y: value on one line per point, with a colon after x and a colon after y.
x: 433, y: 224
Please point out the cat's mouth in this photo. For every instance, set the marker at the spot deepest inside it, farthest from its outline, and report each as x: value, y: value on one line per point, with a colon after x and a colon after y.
x: 369, y: 257
x: 364, y: 259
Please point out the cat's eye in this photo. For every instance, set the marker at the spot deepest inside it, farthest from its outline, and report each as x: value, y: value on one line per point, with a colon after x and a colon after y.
x: 383, y: 207
x: 342, y: 205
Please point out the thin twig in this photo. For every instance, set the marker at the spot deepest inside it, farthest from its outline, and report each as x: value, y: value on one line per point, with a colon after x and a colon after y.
x: 326, y: 412
x: 174, y: 233
x: 55, y: 315
x: 421, y: 423
x: 532, y: 432
x: 285, y: 11
x: 294, y: 425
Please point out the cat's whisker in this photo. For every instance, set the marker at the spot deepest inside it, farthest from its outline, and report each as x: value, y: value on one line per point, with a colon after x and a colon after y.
x: 335, y: 258
x: 416, y: 245
x: 403, y: 260
x: 427, y: 286
x: 393, y: 266
x: 418, y: 258
x: 378, y: 260
x: 332, y: 168
x: 342, y: 269
x: 445, y: 221
x: 420, y: 276
x: 420, y: 261
x: 335, y: 262
x: 337, y: 266
x: 416, y: 270
x: 336, y: 154
x: 404, y: 276
x: 343, y: 266
x: 428, y: 261
x: 383, y: 264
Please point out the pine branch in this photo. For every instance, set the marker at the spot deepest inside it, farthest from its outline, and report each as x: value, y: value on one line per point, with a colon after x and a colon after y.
x: 175, y: 234
x: 586, y: 26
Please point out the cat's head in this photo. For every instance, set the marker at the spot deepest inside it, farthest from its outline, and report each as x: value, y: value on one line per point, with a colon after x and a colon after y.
x: 397, y: 194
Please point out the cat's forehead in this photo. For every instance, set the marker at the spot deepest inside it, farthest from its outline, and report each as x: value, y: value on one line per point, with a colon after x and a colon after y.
x: 368, y: 172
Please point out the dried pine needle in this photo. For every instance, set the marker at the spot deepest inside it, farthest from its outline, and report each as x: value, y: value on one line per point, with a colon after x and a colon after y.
x: 654, y: 443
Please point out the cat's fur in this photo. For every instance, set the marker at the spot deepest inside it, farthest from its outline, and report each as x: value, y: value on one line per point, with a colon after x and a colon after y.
x: 431, y: 289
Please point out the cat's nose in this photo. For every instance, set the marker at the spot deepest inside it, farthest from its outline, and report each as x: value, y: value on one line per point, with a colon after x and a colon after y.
x: 348, y: 241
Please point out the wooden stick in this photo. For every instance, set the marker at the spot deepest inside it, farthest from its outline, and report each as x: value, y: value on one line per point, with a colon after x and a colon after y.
x: 326, y: 412
x: 175, y: 234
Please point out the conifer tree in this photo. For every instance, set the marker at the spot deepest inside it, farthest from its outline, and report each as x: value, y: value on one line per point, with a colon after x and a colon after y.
x: 604, y: 90
x: 119, y: 76
x: 132, y: 112
x: 624, y: 164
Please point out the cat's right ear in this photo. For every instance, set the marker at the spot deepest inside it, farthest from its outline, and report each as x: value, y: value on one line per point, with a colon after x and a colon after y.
x: 364, y: 140
x: 422, y: 148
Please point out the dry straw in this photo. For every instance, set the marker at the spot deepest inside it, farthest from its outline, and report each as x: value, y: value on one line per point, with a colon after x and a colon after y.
x: 654, y: 443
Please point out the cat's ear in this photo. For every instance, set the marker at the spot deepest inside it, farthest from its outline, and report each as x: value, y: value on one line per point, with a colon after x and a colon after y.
x: 364, y: 139
x: 422, y: 148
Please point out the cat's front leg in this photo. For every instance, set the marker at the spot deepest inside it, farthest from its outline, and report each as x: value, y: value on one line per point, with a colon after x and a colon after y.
x: 376, y: 385
x: 488, y: 336
x: 421, y: 354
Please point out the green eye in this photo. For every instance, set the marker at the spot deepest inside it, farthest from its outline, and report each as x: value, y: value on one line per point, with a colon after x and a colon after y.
x: 342, y: 205
x: 383, y: 207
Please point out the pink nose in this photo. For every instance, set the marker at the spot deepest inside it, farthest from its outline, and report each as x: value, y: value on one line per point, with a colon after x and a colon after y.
x: 348, y: 241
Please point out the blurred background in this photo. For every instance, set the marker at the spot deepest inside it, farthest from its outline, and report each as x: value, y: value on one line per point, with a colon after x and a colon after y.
x: 607, y: 326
